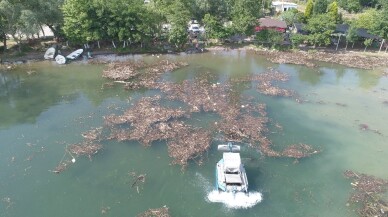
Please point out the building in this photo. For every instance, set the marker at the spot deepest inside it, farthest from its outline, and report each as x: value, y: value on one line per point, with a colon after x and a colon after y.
x: 281, y: 6
x: 269, y: 23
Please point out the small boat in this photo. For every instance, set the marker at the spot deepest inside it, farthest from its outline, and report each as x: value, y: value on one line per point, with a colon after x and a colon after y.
x: 60, y: 59
x: 74, y: 55
x: 49, y: 53
x: 230, y: 172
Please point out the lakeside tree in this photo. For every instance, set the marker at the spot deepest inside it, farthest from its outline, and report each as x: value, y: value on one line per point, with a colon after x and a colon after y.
x: 11, y: 13
x: 292, y: 16
x: 351, y: 36
x: 297, y: 39
x: 309, y: 9
x: 332, y: 10
x: 78, y: 23
x: 178, y: 19
x: 3, y: 36
x: 368, y: 42
x: 270, y: 36
x: 214, y: 28
x: 47, y: 12
x: 244, y: 16
x: 320, y: 7
x: 351, y: 6
x: 320, y: 27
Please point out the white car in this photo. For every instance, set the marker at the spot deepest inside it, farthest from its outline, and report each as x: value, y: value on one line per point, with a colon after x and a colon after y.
x: 194, y: 28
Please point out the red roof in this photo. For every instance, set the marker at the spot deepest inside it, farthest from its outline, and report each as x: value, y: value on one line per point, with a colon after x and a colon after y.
x: 272, y: 23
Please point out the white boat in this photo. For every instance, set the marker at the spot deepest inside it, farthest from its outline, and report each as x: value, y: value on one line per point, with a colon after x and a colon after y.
x: 74, y: 55
x: 60, y: 59
x: 49, y: 53
x: 230, y: 172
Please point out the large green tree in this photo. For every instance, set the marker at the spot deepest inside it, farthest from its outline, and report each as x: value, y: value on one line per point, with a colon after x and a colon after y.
x: 292, y: 16
x: 11, y: 12
x: 320, y: 6
x: 214, y: 28
x: 79, y: 21
x: 47, y: 12
x: 179, y: 20
x: 350, y: 5
x: 321, y: 27
x: 309, y: 9
x: 332, y: 10
x: 244, y: 16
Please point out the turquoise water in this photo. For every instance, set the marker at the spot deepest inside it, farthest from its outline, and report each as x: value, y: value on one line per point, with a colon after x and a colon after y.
x: 43, y: 112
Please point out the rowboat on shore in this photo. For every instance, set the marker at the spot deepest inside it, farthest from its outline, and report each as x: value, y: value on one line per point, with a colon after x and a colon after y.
x: 60, y: 59
x: 74, y: 55
x: 49, y: 53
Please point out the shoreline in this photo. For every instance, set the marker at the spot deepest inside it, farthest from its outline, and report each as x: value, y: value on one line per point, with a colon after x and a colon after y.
x: 353, y: 59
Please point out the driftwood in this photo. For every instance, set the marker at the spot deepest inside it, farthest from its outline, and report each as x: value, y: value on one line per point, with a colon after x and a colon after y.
x: 137, y: 180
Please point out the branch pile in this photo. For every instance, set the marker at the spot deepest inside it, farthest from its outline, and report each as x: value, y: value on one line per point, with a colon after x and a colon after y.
x: 88, y: 149
x: 199, y: 95
x: 148, y: 121
x: 122, y: 70
x: 368, y: 191
x: 189, y: 145
x: 299, y: 151
x: 137, y: 75
x: 266, y: 82
x: 160, y: 212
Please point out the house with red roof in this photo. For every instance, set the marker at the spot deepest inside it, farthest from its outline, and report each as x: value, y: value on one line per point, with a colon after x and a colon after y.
x: 270, y: 23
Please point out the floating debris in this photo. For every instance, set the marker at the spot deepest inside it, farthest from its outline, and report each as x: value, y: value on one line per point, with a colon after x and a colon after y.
x: 104, y: 210
x: 266, y: 83
x: 7, y: 202
x: 363, y: 127
x: 137, y: 75
x: 148, y: 121
x: 189, y: 145
x: 93, y: 135
x: 299, y: 151
x: 122, y: 70
x: 62, y: 166
x: 88, y: 149
x: 368, y: 191
x: 160, y: 212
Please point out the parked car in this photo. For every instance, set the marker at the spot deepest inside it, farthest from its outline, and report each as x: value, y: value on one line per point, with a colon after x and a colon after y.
x: 195, y: 30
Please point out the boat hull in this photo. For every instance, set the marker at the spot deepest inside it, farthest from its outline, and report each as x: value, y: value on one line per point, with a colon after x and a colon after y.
x: 60, y: 59
x: 226, y: 182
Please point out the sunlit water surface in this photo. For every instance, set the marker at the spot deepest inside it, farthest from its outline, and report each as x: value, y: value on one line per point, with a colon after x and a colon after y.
x: 43, y: 111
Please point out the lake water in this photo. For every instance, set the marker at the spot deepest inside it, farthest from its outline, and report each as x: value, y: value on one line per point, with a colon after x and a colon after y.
x: 43, y: 111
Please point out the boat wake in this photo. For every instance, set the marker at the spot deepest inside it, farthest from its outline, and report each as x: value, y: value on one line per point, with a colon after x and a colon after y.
x: 238, y: 200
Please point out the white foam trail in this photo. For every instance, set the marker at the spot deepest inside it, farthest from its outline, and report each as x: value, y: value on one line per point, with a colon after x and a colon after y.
x: 238, y: 200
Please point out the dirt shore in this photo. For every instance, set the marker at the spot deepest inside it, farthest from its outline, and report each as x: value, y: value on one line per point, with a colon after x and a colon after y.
x: 309, y: 58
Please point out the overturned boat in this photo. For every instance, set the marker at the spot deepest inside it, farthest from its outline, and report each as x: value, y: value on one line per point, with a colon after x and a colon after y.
x: 230, y: 172
x: 60, y: 59
x: 50, y: 53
